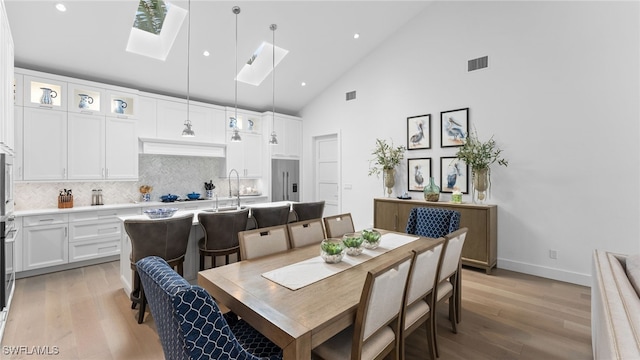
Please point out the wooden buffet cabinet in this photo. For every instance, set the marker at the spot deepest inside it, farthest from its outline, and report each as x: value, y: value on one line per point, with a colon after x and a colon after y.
x: 480, y: 247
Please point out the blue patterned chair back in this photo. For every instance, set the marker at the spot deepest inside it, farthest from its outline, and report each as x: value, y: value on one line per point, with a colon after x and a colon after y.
x: 432, y: 222
x: 189, y: 322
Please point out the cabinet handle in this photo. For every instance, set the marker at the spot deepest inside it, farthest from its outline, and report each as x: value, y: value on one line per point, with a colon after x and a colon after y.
x: 46, y: 219
x: 395, y: 225
x: 103, y: 174
x: 65, y: 231
x: 107, y: 173
x: 64, y: 173
x: 20, y: 171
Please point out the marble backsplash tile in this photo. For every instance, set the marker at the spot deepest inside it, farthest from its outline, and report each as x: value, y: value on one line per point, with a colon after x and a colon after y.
x: 177, y: 175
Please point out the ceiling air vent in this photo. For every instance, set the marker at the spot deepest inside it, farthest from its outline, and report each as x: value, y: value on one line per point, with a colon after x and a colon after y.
x: 479, y: 63
x: 351, y: 95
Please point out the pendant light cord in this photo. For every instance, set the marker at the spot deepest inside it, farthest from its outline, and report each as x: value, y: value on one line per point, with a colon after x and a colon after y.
x: 273, y: 79
x: 236, y: 11
x: 188, y: 57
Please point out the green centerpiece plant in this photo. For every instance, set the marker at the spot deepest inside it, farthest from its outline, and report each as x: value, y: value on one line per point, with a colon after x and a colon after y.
x: 480, y: 155
x: 386, y: 157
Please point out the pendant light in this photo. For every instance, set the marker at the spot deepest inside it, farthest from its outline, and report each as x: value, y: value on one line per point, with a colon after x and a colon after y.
x: 236, y: 135
x: 273, y: 140
x: 188, y: 131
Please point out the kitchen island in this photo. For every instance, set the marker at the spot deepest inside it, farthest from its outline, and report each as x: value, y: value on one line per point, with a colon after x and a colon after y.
x: 191, y: 260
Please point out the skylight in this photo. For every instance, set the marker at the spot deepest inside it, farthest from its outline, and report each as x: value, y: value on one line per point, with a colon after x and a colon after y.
x: 155, y: 28
x: 260, y: 64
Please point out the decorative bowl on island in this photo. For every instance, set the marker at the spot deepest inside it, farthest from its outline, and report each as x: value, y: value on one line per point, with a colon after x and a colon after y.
x: 353, y: 243
x: 371, y: 238
x: 331, y: 250
x: 160, y: 213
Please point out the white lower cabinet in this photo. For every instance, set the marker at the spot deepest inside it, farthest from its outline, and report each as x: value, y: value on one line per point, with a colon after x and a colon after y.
x: 58, y: 239
x: 45, y: 241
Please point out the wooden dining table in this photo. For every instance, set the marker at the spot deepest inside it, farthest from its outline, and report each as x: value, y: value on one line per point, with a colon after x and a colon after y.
x: 295, y: 320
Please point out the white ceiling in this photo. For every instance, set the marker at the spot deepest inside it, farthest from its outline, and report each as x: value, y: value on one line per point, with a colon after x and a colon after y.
x: 88, y: 41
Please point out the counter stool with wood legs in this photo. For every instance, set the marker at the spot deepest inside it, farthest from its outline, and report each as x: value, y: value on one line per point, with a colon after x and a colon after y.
x: 165, y: 238
x: 221, y: 234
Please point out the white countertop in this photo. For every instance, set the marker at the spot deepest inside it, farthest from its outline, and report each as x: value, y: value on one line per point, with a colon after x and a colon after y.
x: 195, y: 213
x: 139, y: 204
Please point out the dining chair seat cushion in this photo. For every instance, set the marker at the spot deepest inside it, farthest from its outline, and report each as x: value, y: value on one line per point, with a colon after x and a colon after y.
x: 339, y: 346
x: 444, y: 289
x: 414, y: 312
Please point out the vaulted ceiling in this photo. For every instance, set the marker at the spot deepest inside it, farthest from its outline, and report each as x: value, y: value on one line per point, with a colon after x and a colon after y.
x: 88, y: 41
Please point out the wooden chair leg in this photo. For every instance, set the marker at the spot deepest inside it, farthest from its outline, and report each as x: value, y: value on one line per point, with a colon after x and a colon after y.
x: 452, y: 313
x: 143, y: 306
x: 135, y: 293
x: 213, y: 261
x: 201, y: 262
x: 180, y: 269
x: 431, y: 341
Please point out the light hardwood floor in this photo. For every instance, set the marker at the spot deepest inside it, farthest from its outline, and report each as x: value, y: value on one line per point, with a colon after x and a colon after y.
x: 506, y: 315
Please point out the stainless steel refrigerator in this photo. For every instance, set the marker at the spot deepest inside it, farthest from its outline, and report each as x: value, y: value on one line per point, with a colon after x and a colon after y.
x: 285, y: 175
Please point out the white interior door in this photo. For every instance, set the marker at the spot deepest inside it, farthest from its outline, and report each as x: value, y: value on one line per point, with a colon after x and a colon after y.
x: 327, y: 172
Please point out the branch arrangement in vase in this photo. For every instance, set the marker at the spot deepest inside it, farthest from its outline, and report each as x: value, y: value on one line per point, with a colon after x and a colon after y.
x: 480, y: 154
x: 385, y: 157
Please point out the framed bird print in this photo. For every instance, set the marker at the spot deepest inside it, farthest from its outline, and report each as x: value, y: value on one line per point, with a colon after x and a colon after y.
x: 419, y: 173
x: 454, y: 175
x: 454, y: 127
x: 419, y: 132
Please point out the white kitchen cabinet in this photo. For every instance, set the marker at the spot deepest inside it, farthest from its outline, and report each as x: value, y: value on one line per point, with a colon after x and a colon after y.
x: 44, y: 241
x: 86, y: 146
x: 289, y: 132
x: 18, y: 165
x: 208, y: 121
x: 246, y: 156
x: 44, y: 93
x: 121, y: 149
x: 45, y: 144
x: 7, y: 83
x: 147, y: 117
x: 96, y: 234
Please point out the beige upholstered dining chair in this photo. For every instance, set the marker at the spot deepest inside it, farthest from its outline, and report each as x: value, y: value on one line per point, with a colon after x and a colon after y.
x: 419, y: 300
x: 265, y: 241
x: 303, y: 233
x: 376, y: 331
x: 338, y: 225
x: 449, y: 281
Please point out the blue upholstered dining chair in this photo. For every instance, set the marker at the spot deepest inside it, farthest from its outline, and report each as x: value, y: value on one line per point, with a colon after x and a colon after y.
x: 432, y: 222
x: 189, y: 322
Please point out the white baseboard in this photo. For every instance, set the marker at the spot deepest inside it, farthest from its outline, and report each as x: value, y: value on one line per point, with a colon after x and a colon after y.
x: 546, y: 272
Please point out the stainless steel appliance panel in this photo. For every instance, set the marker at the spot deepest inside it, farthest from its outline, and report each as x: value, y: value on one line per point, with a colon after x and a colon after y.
x: 285, y: 180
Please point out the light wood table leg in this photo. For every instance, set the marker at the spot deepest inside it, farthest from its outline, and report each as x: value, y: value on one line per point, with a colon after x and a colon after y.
x: 299, y: 349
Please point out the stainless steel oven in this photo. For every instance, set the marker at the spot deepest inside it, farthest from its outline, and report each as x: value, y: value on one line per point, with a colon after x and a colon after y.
x: 7, y: 231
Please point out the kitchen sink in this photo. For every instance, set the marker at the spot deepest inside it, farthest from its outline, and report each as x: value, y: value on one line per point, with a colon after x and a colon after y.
x: 225, y: 209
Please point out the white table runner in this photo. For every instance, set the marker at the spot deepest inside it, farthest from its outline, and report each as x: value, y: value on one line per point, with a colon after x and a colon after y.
x: 303, y: 273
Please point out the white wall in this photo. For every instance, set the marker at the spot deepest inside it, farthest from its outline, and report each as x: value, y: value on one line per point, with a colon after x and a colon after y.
x: 561, y: 95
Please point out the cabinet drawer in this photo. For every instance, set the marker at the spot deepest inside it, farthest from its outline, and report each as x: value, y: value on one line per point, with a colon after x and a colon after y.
x: 83, y: 231
x: 86, y: 250
x: 49, y: 219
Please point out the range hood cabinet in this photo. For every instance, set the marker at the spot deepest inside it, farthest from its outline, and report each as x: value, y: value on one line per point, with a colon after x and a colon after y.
x: 182, y: 148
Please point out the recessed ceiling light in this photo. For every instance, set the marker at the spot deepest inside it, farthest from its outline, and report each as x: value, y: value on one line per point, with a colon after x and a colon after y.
x: 206, y: 53
x: 303, y: 84
x: 356, y: 36
x: 61, y: 7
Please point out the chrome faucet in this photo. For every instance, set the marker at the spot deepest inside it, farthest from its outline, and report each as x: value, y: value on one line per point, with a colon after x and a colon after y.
x: 238, y: 181
x: 216, y: 209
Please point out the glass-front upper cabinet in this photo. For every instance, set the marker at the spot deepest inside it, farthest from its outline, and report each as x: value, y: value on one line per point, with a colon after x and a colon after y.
x: 85, y: 99
x: 247, y: 121
x: 121, y: 104
x: 45, y: 93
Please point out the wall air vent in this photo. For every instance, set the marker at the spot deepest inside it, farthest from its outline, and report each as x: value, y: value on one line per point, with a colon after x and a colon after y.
x: 479, y: 63
x: 351, y: 95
